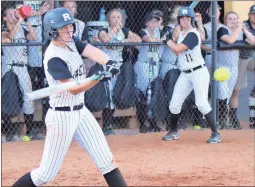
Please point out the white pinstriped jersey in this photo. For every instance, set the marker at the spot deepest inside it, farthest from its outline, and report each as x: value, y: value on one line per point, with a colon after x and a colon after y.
x: 152, y: 51
x: 190, y: 58
x: 229, y: 57
x: 76, y: 67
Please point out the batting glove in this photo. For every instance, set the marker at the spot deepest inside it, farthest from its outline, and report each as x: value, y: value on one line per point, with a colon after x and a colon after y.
x: 113, y: 67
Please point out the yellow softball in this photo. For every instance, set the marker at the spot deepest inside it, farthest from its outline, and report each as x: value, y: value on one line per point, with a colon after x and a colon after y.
x: 197, y: 127
x: 25, y: 139
x: 221, y: 74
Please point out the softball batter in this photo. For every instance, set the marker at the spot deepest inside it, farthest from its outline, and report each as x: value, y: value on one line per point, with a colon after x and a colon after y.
x: 194, y: 75
x: 67, y: 117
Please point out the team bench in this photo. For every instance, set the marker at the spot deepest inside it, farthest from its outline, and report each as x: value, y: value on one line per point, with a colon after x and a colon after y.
x: 130, y: 113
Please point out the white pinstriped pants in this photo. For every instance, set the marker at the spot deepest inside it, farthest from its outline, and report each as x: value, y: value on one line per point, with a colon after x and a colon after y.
x: 62, y: 127
x: 197, y: 80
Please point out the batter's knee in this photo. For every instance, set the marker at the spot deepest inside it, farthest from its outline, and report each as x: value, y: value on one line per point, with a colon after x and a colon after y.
x: 204, y: 108
x: 175, y: 109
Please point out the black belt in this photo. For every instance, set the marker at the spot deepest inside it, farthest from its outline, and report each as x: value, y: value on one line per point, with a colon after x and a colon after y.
x: 193, y: 69
x: 208, y: 53
x: 67, y: 108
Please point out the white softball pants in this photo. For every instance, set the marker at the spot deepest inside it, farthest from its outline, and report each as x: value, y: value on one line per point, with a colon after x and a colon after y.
x: 62, y: 127
x: 197, y: 80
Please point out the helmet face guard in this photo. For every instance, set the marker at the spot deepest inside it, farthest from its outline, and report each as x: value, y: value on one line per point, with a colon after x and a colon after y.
x: 56, y: 19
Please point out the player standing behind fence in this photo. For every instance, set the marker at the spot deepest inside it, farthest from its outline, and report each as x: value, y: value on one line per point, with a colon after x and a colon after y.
x: 229, y: 59
x: 246, y: 63
x: 116, y: 32
x: 194, y: 75
x: 15, y: 59
x: 79, y: 25
x: 67, y: 117
x: 147, y: 67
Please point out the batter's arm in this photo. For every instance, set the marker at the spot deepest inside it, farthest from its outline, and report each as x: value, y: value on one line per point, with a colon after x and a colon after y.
x: 91, y: 52
x: 97, y: 55
x: 177, y: 48
x: 189, y: 42
x: 59, y: 71
x: 80, y: 88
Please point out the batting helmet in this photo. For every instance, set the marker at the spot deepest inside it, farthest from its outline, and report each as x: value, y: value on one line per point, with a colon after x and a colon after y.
x: 187, y: 12
x: 56, y: 19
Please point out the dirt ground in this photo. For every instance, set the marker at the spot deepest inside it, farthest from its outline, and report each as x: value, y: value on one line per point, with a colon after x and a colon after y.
x: 145, y: 160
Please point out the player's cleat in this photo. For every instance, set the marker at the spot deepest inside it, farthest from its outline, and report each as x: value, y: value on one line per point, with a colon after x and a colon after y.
x: 215, y: 138
x: 171, y: 136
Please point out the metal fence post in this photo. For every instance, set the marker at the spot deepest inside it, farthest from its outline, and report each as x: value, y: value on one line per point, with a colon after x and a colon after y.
x: 214, y: 57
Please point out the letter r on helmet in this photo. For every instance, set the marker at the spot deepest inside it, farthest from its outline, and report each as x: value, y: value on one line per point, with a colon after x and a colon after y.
x: 66, y: 16
x: 184, y: 11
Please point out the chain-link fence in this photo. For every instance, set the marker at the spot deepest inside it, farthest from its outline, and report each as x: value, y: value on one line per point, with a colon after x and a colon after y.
x: 136, y: 100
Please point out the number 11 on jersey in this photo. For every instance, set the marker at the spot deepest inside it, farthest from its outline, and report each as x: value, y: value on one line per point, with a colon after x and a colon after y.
x: 189, y: 58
